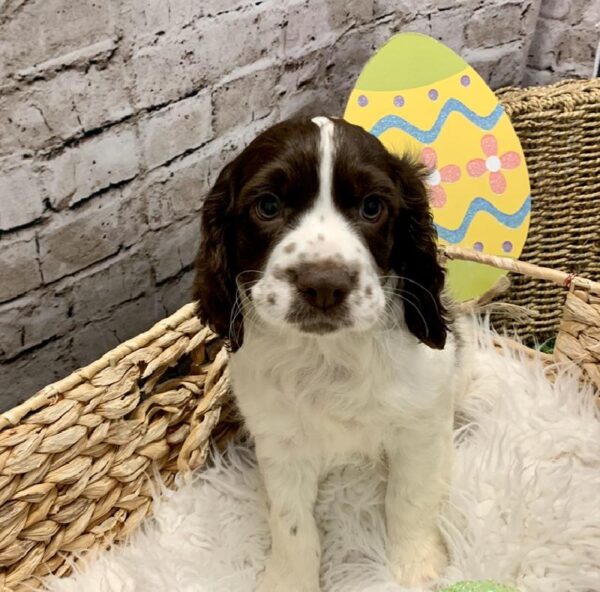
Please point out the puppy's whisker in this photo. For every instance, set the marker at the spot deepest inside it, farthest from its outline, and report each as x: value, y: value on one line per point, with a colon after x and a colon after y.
x: 235, y: 312
x: 404, y: 298
x: 418, y: 284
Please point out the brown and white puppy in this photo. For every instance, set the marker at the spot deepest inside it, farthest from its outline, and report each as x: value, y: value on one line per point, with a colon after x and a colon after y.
x: 318, y: 261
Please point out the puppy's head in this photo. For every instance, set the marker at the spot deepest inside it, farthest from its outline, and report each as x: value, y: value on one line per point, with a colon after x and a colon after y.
x: 317, y: 228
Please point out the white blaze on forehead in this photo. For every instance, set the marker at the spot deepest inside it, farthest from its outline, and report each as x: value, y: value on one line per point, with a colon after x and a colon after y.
x: 327, y: 128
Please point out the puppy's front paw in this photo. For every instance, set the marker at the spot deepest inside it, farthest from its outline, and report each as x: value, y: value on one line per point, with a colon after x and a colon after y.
x: 419, y: 561
x: 276, y: 578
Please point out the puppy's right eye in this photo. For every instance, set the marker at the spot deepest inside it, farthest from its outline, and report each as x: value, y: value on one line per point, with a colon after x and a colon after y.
x: 268, y: 206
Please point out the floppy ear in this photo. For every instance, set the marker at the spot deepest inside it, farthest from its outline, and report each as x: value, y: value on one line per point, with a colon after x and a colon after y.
x: 415, y: 259
x: 215, y: 287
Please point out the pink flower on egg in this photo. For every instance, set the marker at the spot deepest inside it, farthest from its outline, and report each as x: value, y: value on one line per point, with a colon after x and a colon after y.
x: 449, y: 173
x: 493, y: 164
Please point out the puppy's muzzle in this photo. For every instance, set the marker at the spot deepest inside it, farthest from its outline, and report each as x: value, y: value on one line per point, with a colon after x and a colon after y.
x: 324, y: 286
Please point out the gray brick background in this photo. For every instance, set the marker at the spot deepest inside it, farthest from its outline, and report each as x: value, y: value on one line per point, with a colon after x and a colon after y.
x: 116, y: 116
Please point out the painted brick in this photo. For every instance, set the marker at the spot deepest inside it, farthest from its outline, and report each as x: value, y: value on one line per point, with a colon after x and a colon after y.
x: 32, y: 371
x: 317, y: 23
x: 49, y: 111
x: 182, y: 61
x: 96, y: 338
x: 546, y: 40
x: 308, y: 25
x: 57, y: 26
x: 93, y: 340
x: 20, y: 194
x: 533, y: 77
x: 579, y: 47
x: 584, y: 11
x: 175, y: 191
x: 39, y: 115
x: 300, y: 86
x: 91, y: 166
x: 350, y: 12
x: 145, y: 21
x: 591, y: 13
x: 393, y: 7
x: 493, y: 25
x: 32, y: 320
x: 216, y: 7
x: 96, y: 293
x: 177, y: 292
x: 137, y: 316
x: 351, y: 54
x: 174, y: 130
x: 91, y: 233
x: 450, y: 28
x: 173, y: 249
x: 243, y: 100
x: 19, y: 268
x: 99, y: 95
x: 499, y: 66
x: 554, y: 9
x: 565, y: 41
x: 10, y: 140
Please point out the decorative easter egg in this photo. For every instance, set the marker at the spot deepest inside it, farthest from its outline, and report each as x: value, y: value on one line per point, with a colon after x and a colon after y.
x: 418, y: 96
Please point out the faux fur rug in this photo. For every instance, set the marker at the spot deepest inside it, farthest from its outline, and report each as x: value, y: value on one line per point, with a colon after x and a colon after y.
x: 524, y: 507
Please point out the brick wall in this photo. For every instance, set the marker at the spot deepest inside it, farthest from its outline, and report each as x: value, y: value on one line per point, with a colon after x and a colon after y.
x: 565, y: 41
x: 116, y: 115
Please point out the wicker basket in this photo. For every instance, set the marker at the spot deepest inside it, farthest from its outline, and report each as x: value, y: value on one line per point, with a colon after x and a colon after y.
x: 78, y: 459
x: 559, y: 130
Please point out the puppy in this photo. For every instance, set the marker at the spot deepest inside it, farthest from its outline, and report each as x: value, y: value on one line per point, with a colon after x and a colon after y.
x: 318, y: 261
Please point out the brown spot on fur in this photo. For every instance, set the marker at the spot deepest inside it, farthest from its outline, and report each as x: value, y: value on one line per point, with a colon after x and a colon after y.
x: 369, y: 291
x: 271, y: 299
x: 283, y: 275
x: 289, y: 248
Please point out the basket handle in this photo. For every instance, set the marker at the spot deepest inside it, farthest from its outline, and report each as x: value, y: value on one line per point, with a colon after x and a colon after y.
x: 567, y: 280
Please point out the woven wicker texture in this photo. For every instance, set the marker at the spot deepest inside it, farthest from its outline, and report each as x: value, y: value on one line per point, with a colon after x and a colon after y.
x: 559, y: 129
x: 76, y: 460
x: 578, y: 341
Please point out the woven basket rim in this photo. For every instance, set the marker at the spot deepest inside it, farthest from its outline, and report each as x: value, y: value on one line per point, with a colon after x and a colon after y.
x: 567, y: 94
x: 561, y: 278
x: 13, y: 416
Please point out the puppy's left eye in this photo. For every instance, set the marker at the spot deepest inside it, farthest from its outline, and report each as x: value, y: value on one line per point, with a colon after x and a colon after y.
x: 268, y: 206
x: 371, y: 208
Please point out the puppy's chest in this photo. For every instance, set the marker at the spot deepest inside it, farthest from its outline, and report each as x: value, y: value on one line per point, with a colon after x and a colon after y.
x: 338, y: 407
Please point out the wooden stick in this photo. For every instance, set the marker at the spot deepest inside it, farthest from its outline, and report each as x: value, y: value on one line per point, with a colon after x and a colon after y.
x: 562, y: 278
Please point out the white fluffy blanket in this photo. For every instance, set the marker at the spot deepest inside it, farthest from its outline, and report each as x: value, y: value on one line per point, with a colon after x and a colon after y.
x: 524, y: 507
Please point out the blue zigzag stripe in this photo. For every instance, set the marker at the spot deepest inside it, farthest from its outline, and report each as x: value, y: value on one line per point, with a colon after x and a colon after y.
x: 479, y: 204
x: 427, y: 136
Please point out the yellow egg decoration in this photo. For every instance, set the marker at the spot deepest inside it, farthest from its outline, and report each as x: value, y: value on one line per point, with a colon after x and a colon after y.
x: 417, y: 95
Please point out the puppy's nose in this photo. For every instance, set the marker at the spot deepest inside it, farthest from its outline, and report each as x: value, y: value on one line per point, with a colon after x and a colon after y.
x: 324, y: 286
